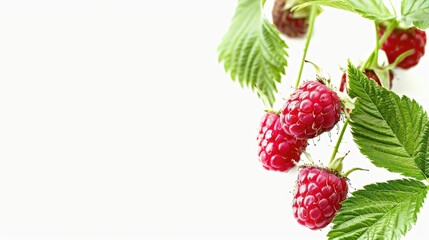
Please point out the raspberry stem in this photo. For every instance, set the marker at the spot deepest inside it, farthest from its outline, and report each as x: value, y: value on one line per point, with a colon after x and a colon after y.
x: 377, y: 46
x: 337, y: 145
x: 313, y: 15
x: 352, y: 170
x: 373, y: 58
x: 386, y: 34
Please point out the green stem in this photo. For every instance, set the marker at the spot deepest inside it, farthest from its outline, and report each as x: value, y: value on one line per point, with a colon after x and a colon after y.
x: 313, y: 15
x: 387, y: 33
x: 337, y: 145
x: 377, y: 46
x: 352, y: 170
x: 367, y: 63
x: 374, y: 55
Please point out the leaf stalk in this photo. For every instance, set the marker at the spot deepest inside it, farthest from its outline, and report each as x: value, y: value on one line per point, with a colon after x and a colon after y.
x: 313, y: 14
x: 337, y: 145
x: 353, y: 170
x: 373, y: 58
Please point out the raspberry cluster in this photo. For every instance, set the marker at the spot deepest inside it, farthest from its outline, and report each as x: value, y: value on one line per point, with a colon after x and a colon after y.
x: 311, y: 110
x: 314, y: 108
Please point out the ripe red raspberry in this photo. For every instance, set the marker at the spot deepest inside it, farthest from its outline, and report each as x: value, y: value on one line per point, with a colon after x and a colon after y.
x: 311, y: 110
x: 370, y: 74
x: 318, y: 195
x: 402, y: 40
x: 277, y: 150
x: 286, y: 22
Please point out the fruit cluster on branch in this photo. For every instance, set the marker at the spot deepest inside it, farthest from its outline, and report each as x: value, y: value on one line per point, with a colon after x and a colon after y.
x: 391, y: 131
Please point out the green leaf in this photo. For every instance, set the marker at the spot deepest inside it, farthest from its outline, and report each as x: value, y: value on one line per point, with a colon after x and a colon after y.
x: 415, y: 12
x: 339, y: 4
x: 253, y: 51
x: 424, y: 24
x: 380, y: 211
x: 391, y: 131
x: 427, y: 157
x: 371, y: 9
x: 384, y: 77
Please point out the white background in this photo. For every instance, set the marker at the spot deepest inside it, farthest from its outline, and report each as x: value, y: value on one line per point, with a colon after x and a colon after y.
x: 117, y: 122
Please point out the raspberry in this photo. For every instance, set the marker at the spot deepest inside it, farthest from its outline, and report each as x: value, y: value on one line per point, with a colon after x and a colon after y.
x: 370, y: 74
x: 277, y: 150
x: 286, y: 22
x: 402, y: 40
x: 318, y: 195
x: 311, y: 110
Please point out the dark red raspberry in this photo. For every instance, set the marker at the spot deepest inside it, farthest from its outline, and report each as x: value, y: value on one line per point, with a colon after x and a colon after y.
x: 311, y: 110
x: 370, y: 74
x: 318, y: 195
x: 402, y: 40
x: 277, y: 150
x: 286, y: 22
